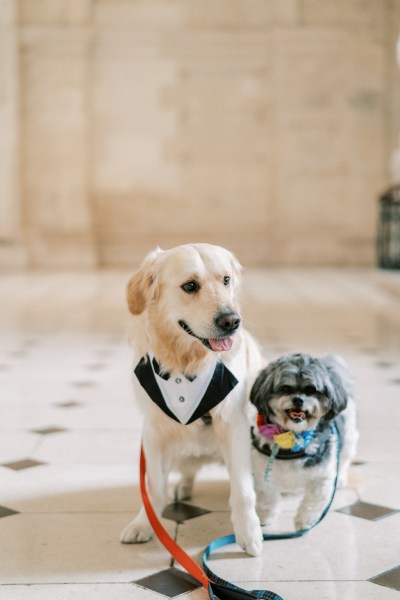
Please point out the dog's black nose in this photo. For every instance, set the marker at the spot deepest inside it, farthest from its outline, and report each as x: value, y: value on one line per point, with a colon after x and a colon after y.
x: 228, y: 321
x: 298, y: 402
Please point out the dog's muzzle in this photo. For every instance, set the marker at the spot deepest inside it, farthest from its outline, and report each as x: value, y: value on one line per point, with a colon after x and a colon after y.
x: 228, y: 323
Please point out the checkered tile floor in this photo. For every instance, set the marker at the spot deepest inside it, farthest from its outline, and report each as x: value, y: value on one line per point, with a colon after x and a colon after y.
x: 70, y: 436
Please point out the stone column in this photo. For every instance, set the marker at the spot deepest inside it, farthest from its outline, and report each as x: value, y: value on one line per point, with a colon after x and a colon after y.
x: 393, y: 116
x: 55, y: 71
x: 12, y: 254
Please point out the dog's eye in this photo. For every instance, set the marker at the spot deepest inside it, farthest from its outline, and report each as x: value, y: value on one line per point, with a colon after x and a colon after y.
x: 286, y: 389
x: 190, y: 287
x: 227, y: 280
x: 310, y: 390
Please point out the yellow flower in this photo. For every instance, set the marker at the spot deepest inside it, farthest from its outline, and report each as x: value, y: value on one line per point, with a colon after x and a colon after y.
x: 285, y: 440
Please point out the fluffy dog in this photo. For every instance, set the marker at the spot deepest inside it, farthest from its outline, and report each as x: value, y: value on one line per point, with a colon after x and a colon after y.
x: 195, y: 366
x: 296, y: 397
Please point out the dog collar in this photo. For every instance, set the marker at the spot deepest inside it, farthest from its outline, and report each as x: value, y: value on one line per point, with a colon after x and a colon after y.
x: 184, y: 399
x: 290, y: 444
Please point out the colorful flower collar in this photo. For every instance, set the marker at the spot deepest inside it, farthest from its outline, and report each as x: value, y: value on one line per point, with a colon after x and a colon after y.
x: 287, y: 440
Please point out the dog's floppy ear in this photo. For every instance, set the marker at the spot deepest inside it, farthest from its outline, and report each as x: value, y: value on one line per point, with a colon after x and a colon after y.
x: 142, y: 282
x: 340, y: 384
x: 263, y: 389
x: 236, y: 266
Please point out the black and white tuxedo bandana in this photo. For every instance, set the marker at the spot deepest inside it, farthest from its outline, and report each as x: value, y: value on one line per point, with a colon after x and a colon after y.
x: 182, y: 398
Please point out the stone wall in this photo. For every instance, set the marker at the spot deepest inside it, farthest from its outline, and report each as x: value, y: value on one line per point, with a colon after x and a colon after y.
x: 264, y: 126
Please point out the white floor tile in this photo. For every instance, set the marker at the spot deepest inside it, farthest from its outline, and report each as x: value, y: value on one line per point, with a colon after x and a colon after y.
x: 379, y: 482
x: 87, y: 591
x: 65, y: 541
x: 92, y: 446
x: 326, y: 590
x: 16, y: 445
x: 338, y: 549
x: 72, y: 488
x: 73, y: 548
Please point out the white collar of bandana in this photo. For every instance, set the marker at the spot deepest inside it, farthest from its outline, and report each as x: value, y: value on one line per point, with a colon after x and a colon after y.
x: 181, y: 395
x: 182, y: 398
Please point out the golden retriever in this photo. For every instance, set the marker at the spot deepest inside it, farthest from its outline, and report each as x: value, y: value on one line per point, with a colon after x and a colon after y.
x: 189, y: 336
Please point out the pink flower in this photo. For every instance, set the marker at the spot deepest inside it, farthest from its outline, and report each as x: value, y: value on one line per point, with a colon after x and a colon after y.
x: 268, y: 430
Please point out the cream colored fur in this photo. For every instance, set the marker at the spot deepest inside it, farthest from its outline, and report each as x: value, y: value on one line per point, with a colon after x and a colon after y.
x: 155, y: 295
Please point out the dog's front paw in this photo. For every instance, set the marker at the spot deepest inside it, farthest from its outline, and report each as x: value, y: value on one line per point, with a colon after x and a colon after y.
x: 253, y: 547
x: 266, y: 518
x: 183, y: 490
x: 136, y: 532
x: 250, y: 537
x: 343, y: 479
x: 305, y: 521
x: 267, y: 514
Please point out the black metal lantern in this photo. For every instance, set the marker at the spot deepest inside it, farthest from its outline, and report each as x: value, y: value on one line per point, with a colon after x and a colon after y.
x: 389, y: 229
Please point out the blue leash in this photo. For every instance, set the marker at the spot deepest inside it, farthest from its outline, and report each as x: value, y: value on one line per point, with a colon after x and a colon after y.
x: 224, y: 590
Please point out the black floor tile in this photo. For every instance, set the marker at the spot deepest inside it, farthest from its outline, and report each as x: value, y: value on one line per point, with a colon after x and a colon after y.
x: 364, y: 510
x: 7, y: 512
x: 384, y: 364
x: 18, y: 353
x: 95, y: 367
x: 180, y: 511
x: 47, y: 430
x: 389, y: 579
x: 170, y: 582
x: 19, y: 465
x: 68, y: 404
x: 31, y: 342
x: 83, y: 384
x: 106, y: 353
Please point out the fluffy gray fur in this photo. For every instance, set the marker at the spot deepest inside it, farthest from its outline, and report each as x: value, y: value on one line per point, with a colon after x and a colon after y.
x: 300, y: 392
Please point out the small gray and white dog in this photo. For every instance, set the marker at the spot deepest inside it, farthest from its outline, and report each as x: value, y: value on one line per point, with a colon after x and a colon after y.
x: 296, y: 397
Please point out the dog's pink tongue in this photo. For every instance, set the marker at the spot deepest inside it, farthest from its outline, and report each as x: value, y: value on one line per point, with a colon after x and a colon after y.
x: 221, y: 345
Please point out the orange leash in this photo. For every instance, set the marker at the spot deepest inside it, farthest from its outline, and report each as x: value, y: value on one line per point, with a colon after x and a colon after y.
x: 216, y: 586
x: 173, y: 548
x: 224, y: 589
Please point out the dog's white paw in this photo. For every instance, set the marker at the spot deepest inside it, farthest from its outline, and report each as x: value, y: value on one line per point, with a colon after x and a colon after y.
x: 250, y: 537
x: 267, y: 515
x: 305, y: 521
x: 266, y: 519
x: 184, y: 490
x: 136, y: 532
x: 343, y: 480
x: 253, y: 547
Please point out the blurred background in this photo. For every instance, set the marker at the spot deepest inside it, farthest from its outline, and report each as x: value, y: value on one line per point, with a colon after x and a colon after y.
x: 270, y: 127
x: 264, y: 126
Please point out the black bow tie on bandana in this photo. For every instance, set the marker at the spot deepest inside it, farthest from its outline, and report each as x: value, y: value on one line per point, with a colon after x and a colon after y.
x: 222, y: 382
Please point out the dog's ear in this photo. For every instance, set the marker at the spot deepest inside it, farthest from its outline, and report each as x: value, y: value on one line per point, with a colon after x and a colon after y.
x: 340, y: 384
x: 263, y: 389
x: 236, y: 267
x: 141, y: 284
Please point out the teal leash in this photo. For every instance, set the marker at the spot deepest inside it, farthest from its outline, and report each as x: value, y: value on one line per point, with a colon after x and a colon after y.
x: 274, y: 453
x: 225, y: 590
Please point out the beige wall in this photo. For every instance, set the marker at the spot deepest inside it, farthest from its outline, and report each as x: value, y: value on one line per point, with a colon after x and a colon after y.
x: 265, y: 126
